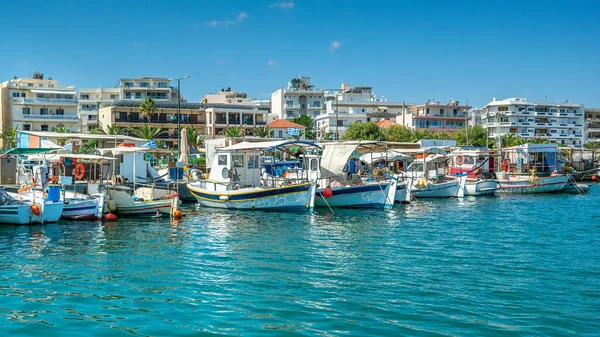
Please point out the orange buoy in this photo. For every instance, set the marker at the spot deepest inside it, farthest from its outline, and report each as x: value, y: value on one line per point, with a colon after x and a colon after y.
x: 79, y: 171
x: 594, y: 178
x: 327, y: 192
x: 177, y: 214
x: 111, y: 217
x: 35, y: 209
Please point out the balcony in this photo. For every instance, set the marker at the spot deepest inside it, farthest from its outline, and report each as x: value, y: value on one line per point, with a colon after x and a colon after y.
x: 312, y: 106
x: 292, y: 106
x: 36, y: 86
x: 45, y: 101
x: 57, y: 118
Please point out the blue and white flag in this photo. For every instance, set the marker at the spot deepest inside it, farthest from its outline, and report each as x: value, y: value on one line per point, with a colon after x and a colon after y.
x: 150, y: 144
x: 68, y: 147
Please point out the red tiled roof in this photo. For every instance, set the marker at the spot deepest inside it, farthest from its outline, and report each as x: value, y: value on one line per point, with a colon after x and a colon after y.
x: 385, y: 123
x: 282, y: 123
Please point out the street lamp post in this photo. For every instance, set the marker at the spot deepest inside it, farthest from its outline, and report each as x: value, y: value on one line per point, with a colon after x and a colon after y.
x: 179, y: 111
x: 466, y: 126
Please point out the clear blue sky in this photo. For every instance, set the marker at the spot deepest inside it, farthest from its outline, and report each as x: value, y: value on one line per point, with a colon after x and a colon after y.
x: 405, y: 50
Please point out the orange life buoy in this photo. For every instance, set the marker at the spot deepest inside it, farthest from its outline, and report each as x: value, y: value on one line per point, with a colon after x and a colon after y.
x: 460, y: 159
x: 35, y: 209
x: 79, y: 171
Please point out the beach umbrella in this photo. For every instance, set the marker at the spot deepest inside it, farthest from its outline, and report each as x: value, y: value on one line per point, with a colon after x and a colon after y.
x: 184, y: 148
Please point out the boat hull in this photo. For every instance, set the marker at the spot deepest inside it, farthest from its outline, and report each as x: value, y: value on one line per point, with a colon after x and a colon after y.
x: 442, y: 190
x: 295, y: 197
x: 362, y: 196
x: 143, y: 208
x: 81, y: 210
x: 481, y: 187
x: 15, y: 214
x: 401, y: 190
x: 540, y: 185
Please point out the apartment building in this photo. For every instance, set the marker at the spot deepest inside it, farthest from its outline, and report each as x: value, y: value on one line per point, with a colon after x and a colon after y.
x: 437, y: 117
x: 349, y: 105
x: 560, y: 123
x: 38, y: 104
x: 90, y: 101
x: 157, y: 88
x: 298, y: 98
x: 592, y: 124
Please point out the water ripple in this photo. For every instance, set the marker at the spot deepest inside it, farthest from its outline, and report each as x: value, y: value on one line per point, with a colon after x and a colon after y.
x: 506, y: 265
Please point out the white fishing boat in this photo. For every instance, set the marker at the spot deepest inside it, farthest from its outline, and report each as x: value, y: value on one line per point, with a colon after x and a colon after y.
x: 476, y: 164
x: 121, y: 202
x: 346, y: 181
x: 428, y: 174
x: 235, y: 181
x: 530, y: 169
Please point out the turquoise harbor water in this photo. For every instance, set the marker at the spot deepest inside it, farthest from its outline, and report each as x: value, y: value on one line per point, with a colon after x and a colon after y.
x: 506, y: 265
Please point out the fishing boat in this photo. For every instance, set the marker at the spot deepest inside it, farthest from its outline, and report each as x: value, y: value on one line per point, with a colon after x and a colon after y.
x: 530, y: 169
x: 476, y: 164
x: 428, y: 174
x: 394, y: 162
x: 345, y: 181
x: 121, y: 202
x: 235, y: 180
x: 17, y: 212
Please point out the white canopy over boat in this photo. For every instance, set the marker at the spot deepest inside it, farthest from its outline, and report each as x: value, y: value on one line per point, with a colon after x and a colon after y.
x: 389, y: 155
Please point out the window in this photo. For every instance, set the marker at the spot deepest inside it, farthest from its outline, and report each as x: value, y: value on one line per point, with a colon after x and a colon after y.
x: 280, y: 134
x: 43, y: 111
x: 84, y: 96
x: 162, y: 84
x: 30, y: 84
x: 50, y: 85
x: 222, y: 159
x: 289, y: 103
x: 26, y: 111
x: 363, y: 110
x: 317, y: 104
x: 114, y: 96
x: 16, y: 94
x: 128, y: 84
x: 127, y: 95
x: 40, y: 85
x: 44, y: 127
x: 60, y: 111
x: 238, y: 160
x: 314, y: 164
x: 253, y: 162
x: 91, y: 128
x: 27, y: 127
x: 144, y: 84
x: 138, y: 95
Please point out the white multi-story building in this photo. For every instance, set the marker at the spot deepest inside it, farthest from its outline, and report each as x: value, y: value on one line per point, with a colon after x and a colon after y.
x: 157, y: 88
x: 560, y: 123
x: 355, y: 105
x: 90, y: 100
x: 475, y: 116
x: 227, y: 96
x: 434, y: 116
x: 299, y: 98
x: 592, y: 125
x: 38, y: 104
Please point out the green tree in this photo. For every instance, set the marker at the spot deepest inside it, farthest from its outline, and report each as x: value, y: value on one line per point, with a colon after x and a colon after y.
x: 233, y: 132
x: 398, y: 133
x: 309, y: 123
x: 262, y: 131
x: 147, y: 132
x: 477, y: 136
x: 147, y: 108
x: 89, y: 146
x: 112, y: 130
x: 61, y: 129
x: 363, y: 131
x: 9, y: 137
x: 194, y: 137
x: 591, y: 145
x: 300, y: 134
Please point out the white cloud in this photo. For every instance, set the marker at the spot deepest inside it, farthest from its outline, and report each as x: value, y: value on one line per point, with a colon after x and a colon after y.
x: 228, y: 23
x: 272, y: 64
x: 283, y: 5
x: 213, y: 23
x: 335, y: 45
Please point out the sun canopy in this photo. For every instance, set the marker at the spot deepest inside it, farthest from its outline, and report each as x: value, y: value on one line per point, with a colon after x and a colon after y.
x: 122, y: 150
x: 58, y: 135
x: 57, y: 156
x: 25, y: 151
x: 269, y: 145
x: 390, y: 155
x: 53, y: 92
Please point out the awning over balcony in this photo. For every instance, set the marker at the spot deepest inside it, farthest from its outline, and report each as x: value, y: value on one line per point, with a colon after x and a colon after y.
x: 53, y: 92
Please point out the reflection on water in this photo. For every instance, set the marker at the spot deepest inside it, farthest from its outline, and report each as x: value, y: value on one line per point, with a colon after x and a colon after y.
x: 515, y: 264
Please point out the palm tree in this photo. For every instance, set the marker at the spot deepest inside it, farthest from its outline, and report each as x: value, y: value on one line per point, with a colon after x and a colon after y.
x: 262, y: 131
x: 233, y: 132
x: 147, y: 132
x: 300, y: 134
x: 9, y: 137
x: 194, y: 137
x: 147, y: 108
x: 61, y: 129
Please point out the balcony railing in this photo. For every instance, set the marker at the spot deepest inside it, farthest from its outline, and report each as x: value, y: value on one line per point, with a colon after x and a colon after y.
x: 51, y: 117
x: 55, y: 101
x: 292, y: 106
